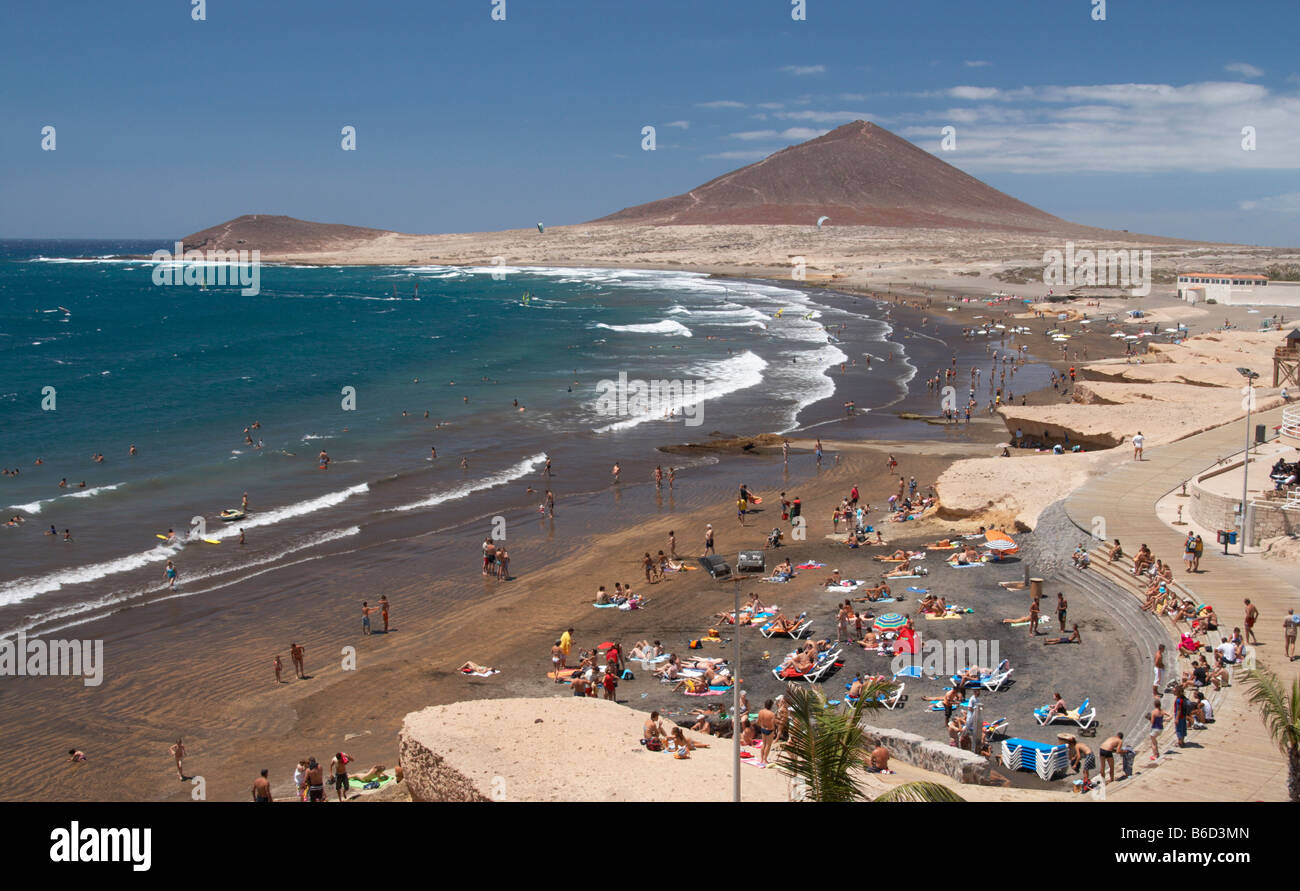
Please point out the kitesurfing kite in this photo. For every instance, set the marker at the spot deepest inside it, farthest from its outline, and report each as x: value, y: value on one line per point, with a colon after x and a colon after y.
x: 821, y: 220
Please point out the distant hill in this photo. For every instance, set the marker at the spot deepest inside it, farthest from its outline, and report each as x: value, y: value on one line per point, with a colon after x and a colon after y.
x: 279, y: 234
x: 858, y: 175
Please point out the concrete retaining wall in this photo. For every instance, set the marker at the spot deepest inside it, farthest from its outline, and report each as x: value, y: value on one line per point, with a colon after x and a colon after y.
x: 939, y: 757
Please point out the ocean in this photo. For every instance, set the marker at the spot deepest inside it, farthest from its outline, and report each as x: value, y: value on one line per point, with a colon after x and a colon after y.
x: 498, y: 368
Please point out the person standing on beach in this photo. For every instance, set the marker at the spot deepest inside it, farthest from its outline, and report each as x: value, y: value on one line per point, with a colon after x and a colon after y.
x: 178, y: 752
x: 548, y: 467
x: 1138, y: 442
x: 170, y: 574
x: 1061, y: 608
x: 1252, y: 616
x: 277, y: 665
x: 708, y: 539
x: 241, y: 536
x: 672, y: 544
x: 366, y: 610
x: 1034, y: 610
x: 616, y: 471
x: 489, y: 555
x: 295, y: 655
x: 785, y: 452
x: 383, y: 608
x: 1289, y: 629
x: 262, y: 787
x: 339, y: 772
x: 566, y: 644
x: 819, y: 451
x: 1158, y: 680
x: 557, y: 656
x: 659, y: 476
x: 315, y: 781
x: 550, y: 503
x: 767, y: 730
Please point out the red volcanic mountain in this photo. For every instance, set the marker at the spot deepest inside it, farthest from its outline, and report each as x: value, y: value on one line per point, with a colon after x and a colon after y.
x: 858, y: 174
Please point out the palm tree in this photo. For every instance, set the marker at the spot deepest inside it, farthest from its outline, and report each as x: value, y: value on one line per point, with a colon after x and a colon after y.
x: 1280, y: 712
x: 827, y: 746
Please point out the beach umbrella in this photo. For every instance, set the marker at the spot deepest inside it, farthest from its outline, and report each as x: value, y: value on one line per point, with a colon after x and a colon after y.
x: 889, y: 621
x: 605, y: 646
x: 998, y: 540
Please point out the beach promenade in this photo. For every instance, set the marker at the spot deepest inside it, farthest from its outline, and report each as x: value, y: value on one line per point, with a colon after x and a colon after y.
x: 1234, y: 759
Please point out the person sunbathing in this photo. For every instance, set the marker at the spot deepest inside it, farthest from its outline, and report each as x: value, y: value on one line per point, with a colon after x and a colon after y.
x: 903, y: 569
x: 374, y: 773
x: 645, y: 651
x: 671, y: 669
x: 800, y: 663
x: 682, y: 743
x: 783, y: 625
x: 475, y: 668
x: 833, y: 578
x: 877, y: 593
x: 754, y: 604
x: 899, y: 556
x: 855, y: 688
x: 1164, y: 571
x: 1142, y: 561
x: 969, y: 677
x: 783, y: 570
x: 1058, y: 707
x: 692, y: 685
x: 1074, y: 637
x: 941, y: 545
x: 870, y: 641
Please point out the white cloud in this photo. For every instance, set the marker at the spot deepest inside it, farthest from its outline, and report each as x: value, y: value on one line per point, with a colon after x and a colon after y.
x: 1288, y: 203
x: 804, y: 70
x: 1123, y: 127
x: 681, y: 125
x: 721, y: 103
x: 753, y: 155
x: 977, y: 63
x: 793, y: 133
x: 771, y: 105
x: 823, y: 117
x: 1245, y: 69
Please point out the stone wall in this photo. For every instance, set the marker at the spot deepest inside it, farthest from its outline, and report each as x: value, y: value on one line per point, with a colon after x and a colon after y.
x: 939, y: 757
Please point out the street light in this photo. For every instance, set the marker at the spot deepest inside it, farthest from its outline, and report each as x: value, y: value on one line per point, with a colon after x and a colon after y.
x: 1245, y: 464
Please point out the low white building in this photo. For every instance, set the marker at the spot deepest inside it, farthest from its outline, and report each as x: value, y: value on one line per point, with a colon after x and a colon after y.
x: 1236, y: 289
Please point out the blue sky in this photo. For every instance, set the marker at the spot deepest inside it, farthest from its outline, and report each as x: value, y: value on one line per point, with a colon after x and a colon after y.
x: 166, y: 125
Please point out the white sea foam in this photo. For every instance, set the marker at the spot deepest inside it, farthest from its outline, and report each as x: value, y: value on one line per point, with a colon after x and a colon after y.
x: 35, y: 506
x: 715, y: 380
x: 510, y: 474
x: 667, y: 326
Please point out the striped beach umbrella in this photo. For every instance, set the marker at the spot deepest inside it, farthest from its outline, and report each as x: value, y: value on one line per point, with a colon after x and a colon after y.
x: 889, y: 621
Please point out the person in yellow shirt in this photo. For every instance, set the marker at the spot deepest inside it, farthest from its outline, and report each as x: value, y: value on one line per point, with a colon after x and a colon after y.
x: 566, y: 644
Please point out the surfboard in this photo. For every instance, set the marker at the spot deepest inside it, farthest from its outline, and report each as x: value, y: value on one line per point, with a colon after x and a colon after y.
x: 755, y: 499
x: 213, y: 540
x: 160, y: 535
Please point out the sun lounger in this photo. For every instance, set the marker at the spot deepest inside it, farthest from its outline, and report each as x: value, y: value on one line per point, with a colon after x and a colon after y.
x: 813, y: 675
x: 1083, y: 716
x: 1048, y: 761
x: 992, y: 681
x: 996, y: 727
x: 800, y: 630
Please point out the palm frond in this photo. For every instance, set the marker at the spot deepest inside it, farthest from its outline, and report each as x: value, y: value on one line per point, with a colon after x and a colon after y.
x: 919, y: 792
x: 1279, y: 708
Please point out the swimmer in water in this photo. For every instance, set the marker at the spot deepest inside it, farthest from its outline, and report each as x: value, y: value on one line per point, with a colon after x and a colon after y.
x: 170, y: 574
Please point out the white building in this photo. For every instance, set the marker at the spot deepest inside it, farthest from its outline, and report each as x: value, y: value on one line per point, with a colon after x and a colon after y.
x: 1236, y: 289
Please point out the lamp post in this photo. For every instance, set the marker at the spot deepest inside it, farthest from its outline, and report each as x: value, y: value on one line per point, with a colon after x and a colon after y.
x: 1245, y: 464
x: 735, y: 692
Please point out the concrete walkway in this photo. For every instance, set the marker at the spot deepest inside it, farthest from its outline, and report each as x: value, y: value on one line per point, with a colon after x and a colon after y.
x: 1233, y: 760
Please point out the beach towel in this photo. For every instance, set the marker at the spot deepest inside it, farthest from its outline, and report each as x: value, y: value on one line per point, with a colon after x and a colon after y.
x: 846, y: 585
x: 811, y: 566
x: 354, y: 783
x: 964, y: 565
x: 903, y: 576
x: 711, y: 692
x: 779, y: 579
x: 916, y: 590
x: 481, y: 674
x: 751, y: 756
x: 933, y: 618
x: 563, y: 674
x: 604, y: 605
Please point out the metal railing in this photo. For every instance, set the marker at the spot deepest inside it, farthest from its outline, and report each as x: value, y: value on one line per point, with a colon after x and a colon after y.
x: 1291, y: 421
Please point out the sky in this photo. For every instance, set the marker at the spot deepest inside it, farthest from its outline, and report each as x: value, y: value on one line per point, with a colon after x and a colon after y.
x: 1171, y: 117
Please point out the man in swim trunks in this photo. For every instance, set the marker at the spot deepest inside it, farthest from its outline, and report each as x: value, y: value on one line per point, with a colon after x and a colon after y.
x: 339, y: 770
x: 262, y: 787
x: 766, y: 730
x: 178, y: 752
x: 315, y: 781
x: 295, y: 655
x: 1074, y: 637
x: 383, y: 608
x: 1108, y: 750
x: 366, y: 610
